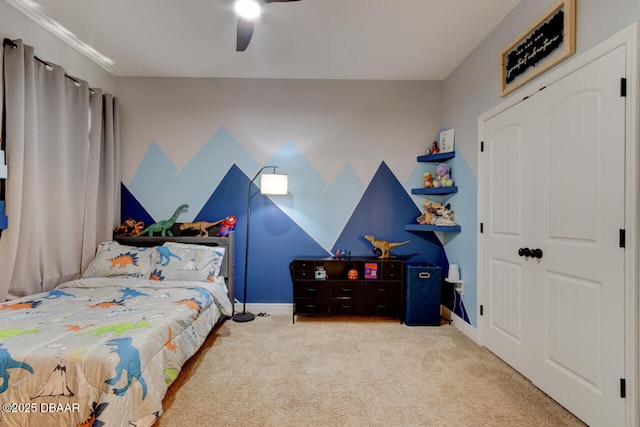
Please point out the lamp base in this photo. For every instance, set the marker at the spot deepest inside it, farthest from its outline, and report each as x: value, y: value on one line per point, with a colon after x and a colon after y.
x: 245, y: 316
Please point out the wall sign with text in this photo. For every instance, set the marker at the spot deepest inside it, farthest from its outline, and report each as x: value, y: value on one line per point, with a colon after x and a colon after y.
x: 548, y: 41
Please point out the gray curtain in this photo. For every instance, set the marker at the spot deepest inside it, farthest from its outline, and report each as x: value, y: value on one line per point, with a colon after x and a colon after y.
x: 62, y: 189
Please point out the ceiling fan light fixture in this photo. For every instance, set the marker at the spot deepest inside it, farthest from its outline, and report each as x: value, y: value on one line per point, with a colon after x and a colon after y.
x: 247, y: 9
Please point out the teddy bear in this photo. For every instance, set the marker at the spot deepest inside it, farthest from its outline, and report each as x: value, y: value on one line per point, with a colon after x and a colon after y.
x: 443, y: 176
x: 428, y: 180
x: 429, y: 216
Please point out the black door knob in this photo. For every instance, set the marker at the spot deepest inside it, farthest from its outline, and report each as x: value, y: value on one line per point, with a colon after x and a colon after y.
x: 536, y: 253
x: 524, y: 252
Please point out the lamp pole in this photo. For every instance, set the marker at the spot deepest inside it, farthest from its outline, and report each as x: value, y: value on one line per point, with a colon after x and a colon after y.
x: 246, y: 316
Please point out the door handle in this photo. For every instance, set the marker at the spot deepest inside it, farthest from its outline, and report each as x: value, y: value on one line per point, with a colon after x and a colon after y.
x: 526, y: 252
x: 533, y: 253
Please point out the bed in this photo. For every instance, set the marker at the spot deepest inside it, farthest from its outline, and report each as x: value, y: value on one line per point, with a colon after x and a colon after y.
x: 102, y: 350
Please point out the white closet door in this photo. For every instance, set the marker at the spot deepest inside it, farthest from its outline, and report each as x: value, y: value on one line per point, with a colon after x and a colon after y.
x: 579, y: 286
x: 507, y: 214
x: 554, y: 180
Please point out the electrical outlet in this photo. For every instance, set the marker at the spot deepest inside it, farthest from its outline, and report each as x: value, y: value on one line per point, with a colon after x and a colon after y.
x: 459, y: 288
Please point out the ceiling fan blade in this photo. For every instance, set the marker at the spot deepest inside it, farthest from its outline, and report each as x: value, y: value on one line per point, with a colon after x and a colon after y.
x: 278, y: 1
x: 245, y: 32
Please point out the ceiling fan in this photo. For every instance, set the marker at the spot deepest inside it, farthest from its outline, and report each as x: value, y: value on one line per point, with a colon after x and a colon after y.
x: 248, y: 11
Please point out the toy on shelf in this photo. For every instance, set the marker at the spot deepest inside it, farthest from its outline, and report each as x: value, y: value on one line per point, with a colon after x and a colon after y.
x: 202, y: 227
x: 130, y: 227
x: 436, y: 214
x: 430, y: 211
x: 164, y: 226
x: 434, y: 148
x: 383, y: 245
x: 445, y: 217
x: 443, y: 176
x: 228, y: 225
x: 428, y: 180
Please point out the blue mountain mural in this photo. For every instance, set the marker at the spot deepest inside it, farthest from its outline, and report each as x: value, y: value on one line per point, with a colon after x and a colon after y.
x: 320, y: 208
x: 275, y: 239
x: 131, y: 208
x: 160, y: 188
x: 383, y: 211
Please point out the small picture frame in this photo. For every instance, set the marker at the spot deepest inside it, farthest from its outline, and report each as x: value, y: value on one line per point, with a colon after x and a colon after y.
x: 447, y: 141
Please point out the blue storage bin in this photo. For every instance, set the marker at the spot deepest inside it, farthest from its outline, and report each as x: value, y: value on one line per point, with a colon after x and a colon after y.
x: 422, y: 295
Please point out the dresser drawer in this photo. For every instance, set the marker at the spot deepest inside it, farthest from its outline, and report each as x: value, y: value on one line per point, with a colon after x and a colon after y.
x: 311, y: 305
x: 311, y: 288
x: 383, y: 306
x: 347, y: 306
x: 383, y: 289
x: 345, y: 288
x: 392, y: 270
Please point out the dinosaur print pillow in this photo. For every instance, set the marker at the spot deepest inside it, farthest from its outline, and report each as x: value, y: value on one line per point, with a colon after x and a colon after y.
x: 180, y: 261
x: 113, y: 259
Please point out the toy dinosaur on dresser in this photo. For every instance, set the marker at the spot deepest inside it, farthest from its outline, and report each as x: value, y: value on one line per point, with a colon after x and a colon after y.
x: 202, y: 227
x: 383, y: 245
x: 164, y: 226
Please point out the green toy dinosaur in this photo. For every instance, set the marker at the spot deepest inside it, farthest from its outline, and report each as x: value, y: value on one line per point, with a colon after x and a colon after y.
x: 164, y: 227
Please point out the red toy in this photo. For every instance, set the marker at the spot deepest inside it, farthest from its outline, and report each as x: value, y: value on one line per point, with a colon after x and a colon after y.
x: 228, y: 224
x: 434, y: 148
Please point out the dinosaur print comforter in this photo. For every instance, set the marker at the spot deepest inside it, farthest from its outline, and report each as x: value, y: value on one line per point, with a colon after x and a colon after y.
x: 101, y: 351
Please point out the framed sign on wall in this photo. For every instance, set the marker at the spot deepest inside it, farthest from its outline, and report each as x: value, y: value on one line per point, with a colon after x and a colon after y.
x: 545, y: 43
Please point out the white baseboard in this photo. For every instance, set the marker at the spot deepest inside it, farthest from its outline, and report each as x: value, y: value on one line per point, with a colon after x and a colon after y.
x: 459, y: 323
x: 267, y: 308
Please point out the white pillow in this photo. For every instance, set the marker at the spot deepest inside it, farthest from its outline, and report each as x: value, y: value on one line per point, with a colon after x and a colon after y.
x: 113, y: 259
x: 181, y: 261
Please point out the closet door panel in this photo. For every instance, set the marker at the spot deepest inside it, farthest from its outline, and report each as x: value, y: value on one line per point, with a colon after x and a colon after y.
x: 580, y: 333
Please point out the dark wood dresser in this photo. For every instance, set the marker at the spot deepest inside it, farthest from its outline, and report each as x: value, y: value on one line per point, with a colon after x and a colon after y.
x: 376, y: 290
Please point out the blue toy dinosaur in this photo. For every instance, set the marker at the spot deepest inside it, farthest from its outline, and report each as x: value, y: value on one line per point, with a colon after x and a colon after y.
x: 129, y: 360
x: 165, y: 255
x: 164, y: 226
x: 7, y: 362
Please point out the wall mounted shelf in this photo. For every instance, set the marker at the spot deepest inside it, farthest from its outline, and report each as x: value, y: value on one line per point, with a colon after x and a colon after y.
x: 431, y: 227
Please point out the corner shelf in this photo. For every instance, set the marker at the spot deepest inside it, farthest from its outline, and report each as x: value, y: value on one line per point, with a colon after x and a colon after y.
x: 439, y: 157
x: 431, y: 227
x: 435, y: 191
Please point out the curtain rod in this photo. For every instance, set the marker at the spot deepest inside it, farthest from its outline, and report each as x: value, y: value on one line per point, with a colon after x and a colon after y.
x: 9, y: 42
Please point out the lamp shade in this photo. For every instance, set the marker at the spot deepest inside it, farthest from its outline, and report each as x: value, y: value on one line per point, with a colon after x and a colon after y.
x: 274, y: 184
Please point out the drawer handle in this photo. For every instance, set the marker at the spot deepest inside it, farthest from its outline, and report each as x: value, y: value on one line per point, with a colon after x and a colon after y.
x: 312, y: 289
x: 348, y: 307
x: 424, y: 275
x: 310, y: 306
x: 383, y: 306
x: 347, y: 289
x: 383, y: 290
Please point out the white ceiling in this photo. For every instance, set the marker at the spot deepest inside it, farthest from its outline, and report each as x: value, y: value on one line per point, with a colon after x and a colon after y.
x: 317, y: 39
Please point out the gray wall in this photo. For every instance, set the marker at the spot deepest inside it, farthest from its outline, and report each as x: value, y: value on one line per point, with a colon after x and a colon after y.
x: 473, y: 87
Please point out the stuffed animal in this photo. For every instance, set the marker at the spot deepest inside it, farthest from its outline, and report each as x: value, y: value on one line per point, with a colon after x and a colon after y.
x: 130, y: 227
x: 430, y: 209
x: 228, y: 224
x: 445, y: 216
x: 428, y: 180
x: 443, y: 176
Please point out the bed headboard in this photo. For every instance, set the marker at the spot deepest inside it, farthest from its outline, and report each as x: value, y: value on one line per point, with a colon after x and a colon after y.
x: 228, y: 263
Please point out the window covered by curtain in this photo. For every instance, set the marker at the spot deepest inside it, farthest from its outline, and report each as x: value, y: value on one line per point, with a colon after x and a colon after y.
x: 62, y: 189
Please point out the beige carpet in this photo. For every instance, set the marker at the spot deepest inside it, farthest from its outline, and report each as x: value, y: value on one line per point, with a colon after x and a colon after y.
x: 351, y: 372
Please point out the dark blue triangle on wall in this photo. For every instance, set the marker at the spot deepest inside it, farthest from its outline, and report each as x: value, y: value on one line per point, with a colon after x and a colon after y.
x: 275, y: 239
x: 130, y: 207
x: 383, y: 211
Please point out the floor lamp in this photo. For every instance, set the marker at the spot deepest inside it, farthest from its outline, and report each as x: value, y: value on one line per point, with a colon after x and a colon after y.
x: 271, y: 184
